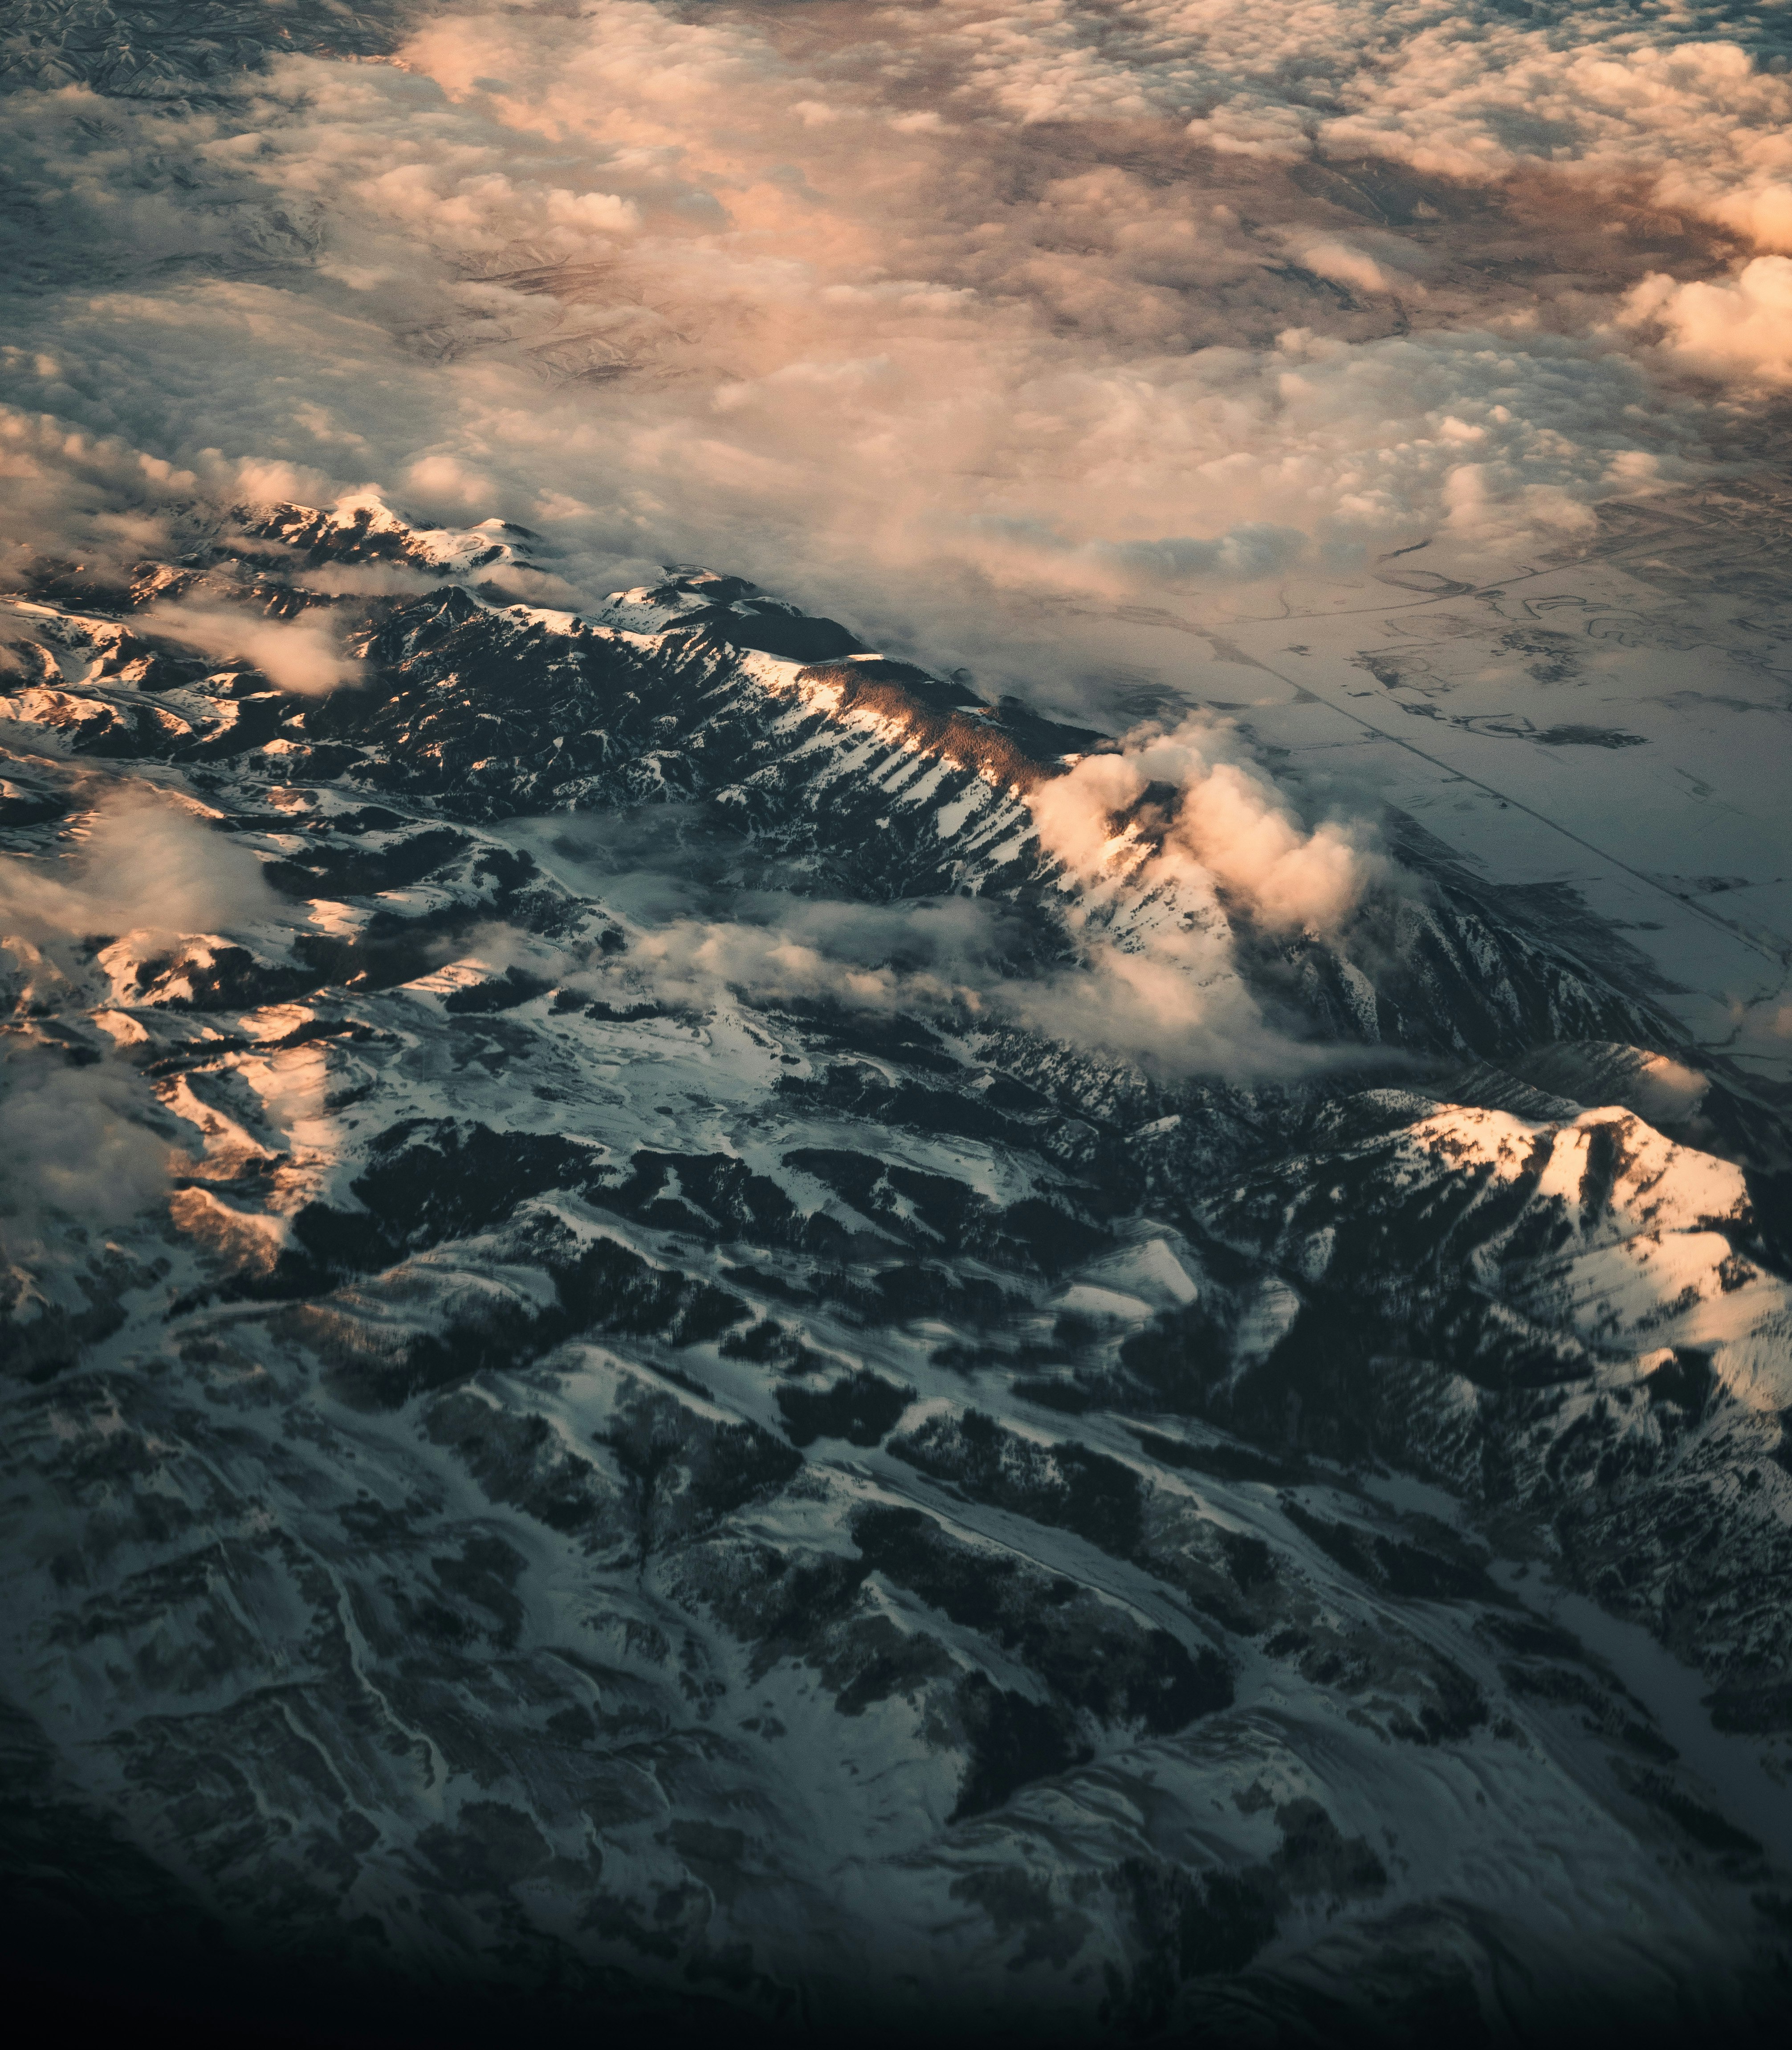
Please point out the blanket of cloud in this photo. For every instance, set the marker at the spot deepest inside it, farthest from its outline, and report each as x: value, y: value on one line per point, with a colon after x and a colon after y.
x: 921, y: 312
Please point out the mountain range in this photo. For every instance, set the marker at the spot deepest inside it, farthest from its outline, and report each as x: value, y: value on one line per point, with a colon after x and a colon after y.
x: 691, y: 1428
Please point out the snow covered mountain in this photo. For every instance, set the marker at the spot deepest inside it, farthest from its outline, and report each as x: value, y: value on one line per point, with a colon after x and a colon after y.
x: 693, y: 1427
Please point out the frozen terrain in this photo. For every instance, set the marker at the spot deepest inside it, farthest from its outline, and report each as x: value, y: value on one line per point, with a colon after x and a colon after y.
x: 639, y: 1469
x: 895, y: 911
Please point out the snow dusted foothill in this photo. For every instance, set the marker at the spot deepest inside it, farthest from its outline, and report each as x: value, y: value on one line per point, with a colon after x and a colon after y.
x: 680, y: 1392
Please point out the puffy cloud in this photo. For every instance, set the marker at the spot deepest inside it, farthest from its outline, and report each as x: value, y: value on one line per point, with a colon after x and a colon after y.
x: 1589, y: 94
x: 1697, y: 123
x: 1152, y: 975
x: 363, y: 580
x: 1177, y: 1007
x: 1737, y: 328
x: 102, y: 498
x: 1175, y: 1012
x: 1345, y: 263
x: 1163, y: 845
x: 1183, y: 808
x: 1009, y: 302
x: 692, y: 960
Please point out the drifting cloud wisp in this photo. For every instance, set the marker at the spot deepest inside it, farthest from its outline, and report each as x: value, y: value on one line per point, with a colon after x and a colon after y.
x: 297, y: 655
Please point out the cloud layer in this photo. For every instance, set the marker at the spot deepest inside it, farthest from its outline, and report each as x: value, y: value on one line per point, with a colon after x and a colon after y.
x: 957, y: 303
